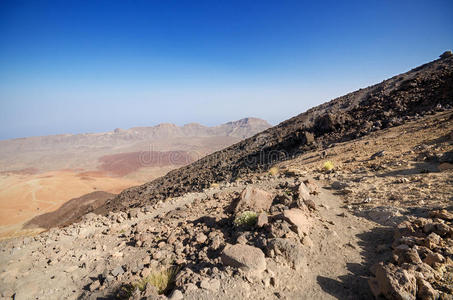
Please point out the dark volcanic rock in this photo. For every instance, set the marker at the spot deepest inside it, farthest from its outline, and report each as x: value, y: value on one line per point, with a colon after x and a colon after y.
x: 403, y: 97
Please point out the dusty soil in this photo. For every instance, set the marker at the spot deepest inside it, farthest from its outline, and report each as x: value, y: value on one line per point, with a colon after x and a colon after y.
x: 25, y: 196
x: 125, y: 163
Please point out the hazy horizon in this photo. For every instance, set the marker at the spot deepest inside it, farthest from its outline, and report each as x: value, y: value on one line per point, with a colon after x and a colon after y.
x: 77, y: 67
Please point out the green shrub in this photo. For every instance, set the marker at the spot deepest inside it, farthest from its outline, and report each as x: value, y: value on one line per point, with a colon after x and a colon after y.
x: 163, y: 280
x: 247, y: 218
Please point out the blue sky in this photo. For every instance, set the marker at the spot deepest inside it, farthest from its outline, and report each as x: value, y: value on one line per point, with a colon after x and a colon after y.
x: 88, y: 66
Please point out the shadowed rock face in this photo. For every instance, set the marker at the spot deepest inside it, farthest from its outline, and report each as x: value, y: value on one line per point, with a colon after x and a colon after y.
x: 407, y: 96
x: 70, y: 211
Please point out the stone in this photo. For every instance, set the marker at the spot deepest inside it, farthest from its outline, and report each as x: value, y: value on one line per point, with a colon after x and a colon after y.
x: 433, y: 259
x: 408, y: 256
x: 441, y: 214
x: 244, y: 257
x: 386, y: 215
x: 289, y: 250
x: 432, y: 240
x: 216, y: 242
x: 425, y: 291
x: 337, y: 185
x: 299, y: 219
x: 94, y: 285
x: 304, y: 192
x: 176, y: 295
x: 210, y: 284
x: 393, y: 283
x: 201, y: 238
x: 254, y: 199
x: 262, y: 219
x: 117, y: 271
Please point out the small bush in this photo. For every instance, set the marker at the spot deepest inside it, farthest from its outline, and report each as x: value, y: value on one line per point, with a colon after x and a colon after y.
x: 274, y: 171
x: 162, y: 280
x: 247, y: 218
x: 328, y: 165
x: 214, y: 185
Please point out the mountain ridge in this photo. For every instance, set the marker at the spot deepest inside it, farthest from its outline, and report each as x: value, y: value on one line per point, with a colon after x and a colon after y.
x: 386, y: 104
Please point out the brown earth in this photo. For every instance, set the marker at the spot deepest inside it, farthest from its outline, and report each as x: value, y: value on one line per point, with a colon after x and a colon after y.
x: 23, y: 197
x: 122, y: 164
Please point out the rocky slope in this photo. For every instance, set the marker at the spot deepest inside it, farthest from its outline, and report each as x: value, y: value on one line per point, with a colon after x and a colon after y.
x: 317, y: 234
x: 408, y: 96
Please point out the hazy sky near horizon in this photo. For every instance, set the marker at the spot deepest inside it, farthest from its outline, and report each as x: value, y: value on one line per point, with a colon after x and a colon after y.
x: 89, y: 66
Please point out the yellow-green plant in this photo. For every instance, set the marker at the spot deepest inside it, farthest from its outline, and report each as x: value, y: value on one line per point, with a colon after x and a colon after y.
x: 247, y: 218
x: 274, y: 171
x: 328, y: 165
x: 163, y: 280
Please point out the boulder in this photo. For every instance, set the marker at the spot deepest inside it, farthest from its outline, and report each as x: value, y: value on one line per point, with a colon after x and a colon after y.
x: 299, y: 219
x: 434, y: 259
x: 425, y: 291
x: 393, y: 283
x: 304, y: 192
x: 289, y: 250
x: 244, y: 257
x: 254, y: 199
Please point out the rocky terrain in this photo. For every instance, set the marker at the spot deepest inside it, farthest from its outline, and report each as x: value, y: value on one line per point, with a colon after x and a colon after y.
x: 350, y: 200
x: 393, y: 102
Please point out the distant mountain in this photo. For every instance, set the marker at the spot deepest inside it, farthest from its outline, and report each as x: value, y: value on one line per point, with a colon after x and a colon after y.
x: 83, y: 150
x: 239, y: 129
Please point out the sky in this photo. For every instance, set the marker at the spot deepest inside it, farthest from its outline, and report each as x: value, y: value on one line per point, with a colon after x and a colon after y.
x: 92, y: 66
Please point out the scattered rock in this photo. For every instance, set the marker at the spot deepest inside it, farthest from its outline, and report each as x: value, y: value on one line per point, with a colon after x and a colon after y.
x: 244, y: 257
x: 290, y: 250
x: 94, y: 285
x: 176, y: 295
x: 254, y: 199
x: 393, y: 283
x: 299, y: 219
x: 262, y: 219
x: 117, y: 271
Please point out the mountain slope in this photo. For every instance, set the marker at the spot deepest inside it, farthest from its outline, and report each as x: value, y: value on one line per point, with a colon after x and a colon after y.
x: 405, y: 96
